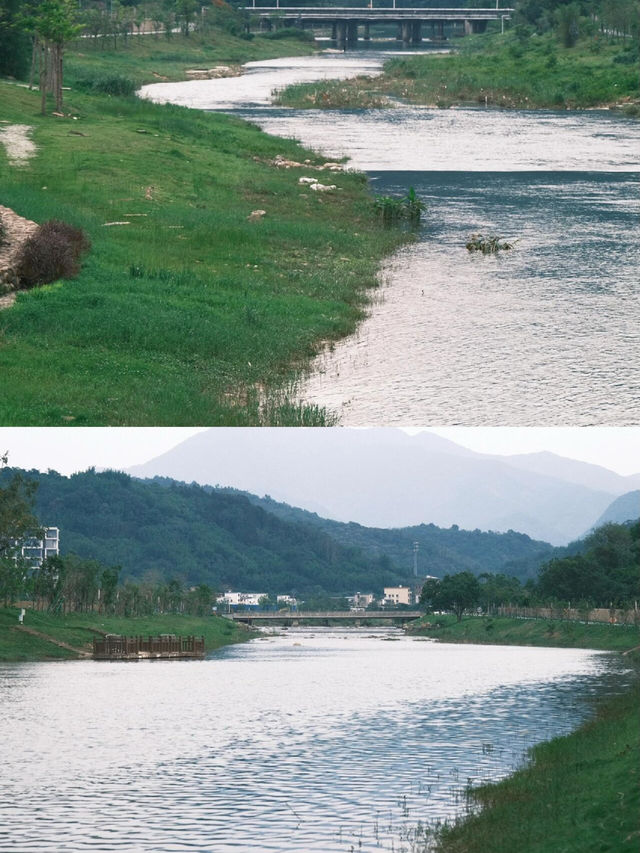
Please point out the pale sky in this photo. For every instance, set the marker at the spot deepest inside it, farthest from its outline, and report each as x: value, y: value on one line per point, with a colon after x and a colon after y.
x: 70, y: 449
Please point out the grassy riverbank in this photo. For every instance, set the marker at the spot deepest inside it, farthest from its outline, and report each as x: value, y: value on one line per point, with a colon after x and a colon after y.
x: 580, y: 792
x: 496, y: 70
x: 77, y: 630
x: 153, y: 59
x: 497, y: 630
x: 192, y: 312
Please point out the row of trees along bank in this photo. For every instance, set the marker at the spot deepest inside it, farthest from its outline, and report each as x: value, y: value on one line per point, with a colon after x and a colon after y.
x: 75, y: 584
x: 35, y: 33
x: 604, y: 575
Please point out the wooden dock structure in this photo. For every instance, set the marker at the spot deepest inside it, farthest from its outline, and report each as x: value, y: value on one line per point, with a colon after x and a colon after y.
x: 164, y: 646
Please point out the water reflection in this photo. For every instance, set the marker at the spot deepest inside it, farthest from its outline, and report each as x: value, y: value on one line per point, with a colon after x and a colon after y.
x: 296, y: 743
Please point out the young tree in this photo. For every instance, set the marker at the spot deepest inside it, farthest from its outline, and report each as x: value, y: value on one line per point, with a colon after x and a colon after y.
x: 185, y: 14
x: 48, y: 581
x: 17, y: 523
x: 53, y: 23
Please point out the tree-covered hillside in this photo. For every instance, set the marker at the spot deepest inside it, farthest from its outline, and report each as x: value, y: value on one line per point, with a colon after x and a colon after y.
x: 441, y: 550
x: 198, y: 536
x: 228, y: 539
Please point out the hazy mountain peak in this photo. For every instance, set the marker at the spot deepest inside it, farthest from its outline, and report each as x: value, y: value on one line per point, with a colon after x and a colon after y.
x: 388, y: 478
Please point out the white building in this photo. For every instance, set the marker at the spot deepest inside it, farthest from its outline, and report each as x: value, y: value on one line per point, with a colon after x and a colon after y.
x: 35, y: 551
x: 361, y: 600
x: 240, y: 599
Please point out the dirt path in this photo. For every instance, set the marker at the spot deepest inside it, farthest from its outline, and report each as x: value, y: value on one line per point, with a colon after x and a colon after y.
x: 81, y: 652
x: 15, y: 138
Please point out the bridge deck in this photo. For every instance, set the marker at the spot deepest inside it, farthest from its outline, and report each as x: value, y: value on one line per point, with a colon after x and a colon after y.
x: 328, y: 616
x: 328, y: 13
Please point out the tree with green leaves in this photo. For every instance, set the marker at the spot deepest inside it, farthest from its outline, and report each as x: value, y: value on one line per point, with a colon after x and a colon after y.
x: 53, y: 23
x: 47, y: 582
x: 15, y: 45
x: 186, y: 14
x: 604, y: 574
x: 457, y: 592
x: 17, y: 524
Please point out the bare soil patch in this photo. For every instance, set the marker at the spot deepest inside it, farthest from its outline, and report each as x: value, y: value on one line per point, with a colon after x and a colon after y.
x: 15, y: 138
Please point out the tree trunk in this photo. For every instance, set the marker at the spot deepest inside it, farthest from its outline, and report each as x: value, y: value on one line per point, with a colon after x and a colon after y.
x: 34, y: 60
x: 43, y: 78
x: 59, y: 54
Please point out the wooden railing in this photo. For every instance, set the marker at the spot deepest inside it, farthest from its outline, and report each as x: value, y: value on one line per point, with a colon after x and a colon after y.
x: 115, y: 646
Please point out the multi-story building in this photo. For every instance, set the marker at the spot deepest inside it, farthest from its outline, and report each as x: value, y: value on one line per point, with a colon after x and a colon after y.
x: 398, y: 595
x: 35, y: 551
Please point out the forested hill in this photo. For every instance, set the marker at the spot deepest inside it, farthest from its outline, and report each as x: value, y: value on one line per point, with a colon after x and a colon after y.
x: 441, y: 550
x: 199, y: 536
x: 229, y: 539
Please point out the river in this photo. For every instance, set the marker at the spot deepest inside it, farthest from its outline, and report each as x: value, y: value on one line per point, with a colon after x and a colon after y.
x: 546, y: 334
x: 328, y: 741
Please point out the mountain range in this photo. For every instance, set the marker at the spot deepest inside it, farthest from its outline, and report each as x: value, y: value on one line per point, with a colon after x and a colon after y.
x: 386, y: 478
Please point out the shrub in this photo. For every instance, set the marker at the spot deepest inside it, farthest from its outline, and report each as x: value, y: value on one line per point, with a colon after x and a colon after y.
x: 110, y: 84
x: 51, y: 253
x: 290, y: 33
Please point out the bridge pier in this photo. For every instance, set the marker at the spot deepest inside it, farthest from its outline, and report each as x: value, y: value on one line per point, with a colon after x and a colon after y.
x: 474, y: 27
x: 265, y: 25
x: 366, y: 34
x: 411, y: 32
x: 352, y: 33
x: 341, y: 34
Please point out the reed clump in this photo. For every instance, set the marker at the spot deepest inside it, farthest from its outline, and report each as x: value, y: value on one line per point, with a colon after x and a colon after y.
x: 393, y: 210
x: 489, y: 245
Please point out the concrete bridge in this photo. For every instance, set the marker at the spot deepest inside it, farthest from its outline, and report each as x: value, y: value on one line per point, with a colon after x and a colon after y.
x: 326, y: 617
x: 345, y: 21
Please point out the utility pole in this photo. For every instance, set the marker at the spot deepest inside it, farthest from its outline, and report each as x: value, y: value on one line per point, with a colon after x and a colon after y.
x: 416, y: 548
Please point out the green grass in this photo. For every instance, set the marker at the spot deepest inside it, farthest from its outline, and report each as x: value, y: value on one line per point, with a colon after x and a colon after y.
x: 496, y: 70
x: 497, y: 630
x: 502, y: 71
x: 358, y: 93
x: 78, y: 630
x: 150, y: 58
x: 579, y: 795
x: 191, y: 314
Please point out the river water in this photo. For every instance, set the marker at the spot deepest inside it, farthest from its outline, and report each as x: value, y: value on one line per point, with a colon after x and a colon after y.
x: 545, y: 334
x: 309, y: 741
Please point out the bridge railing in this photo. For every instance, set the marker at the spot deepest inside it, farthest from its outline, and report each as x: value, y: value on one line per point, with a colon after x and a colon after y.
x: 381, y: 8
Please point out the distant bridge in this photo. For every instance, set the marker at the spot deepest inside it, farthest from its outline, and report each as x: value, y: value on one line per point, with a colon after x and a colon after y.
x: 344, y: 21
x: 326, y: 617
